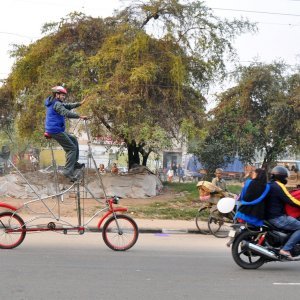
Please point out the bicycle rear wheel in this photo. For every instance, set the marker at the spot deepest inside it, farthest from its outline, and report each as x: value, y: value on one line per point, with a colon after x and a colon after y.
x: 120, y: 233
x: 219, y: 224
x: 12, y: 230
x: 201, y: 219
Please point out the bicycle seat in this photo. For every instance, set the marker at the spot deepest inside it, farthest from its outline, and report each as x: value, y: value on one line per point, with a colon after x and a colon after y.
x: 47, y: 135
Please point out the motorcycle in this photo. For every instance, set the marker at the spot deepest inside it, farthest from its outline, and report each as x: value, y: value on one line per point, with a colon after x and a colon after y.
x: 251, y: 246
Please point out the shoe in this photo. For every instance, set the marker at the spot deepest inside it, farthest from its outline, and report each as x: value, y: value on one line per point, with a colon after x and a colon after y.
x: 76, y: 176
x: 286, y: 254
x: 79, y: 165
x: 68, y: 175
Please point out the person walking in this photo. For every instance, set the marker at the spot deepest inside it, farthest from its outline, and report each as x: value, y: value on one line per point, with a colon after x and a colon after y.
x: 34, y: 162
x: 170, y: 175
x: 56, y: 112
x: 174, y: 168
x: 180, y: 173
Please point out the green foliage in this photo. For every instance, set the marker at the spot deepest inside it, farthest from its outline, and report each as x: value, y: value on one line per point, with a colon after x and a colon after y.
x: 258, y: 114
x: 142, y: 87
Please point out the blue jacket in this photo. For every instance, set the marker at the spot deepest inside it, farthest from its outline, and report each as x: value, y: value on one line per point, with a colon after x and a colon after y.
x: 56, y: 113
x: 252, y: 204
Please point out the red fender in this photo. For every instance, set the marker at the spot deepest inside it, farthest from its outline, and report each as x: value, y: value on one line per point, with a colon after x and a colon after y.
x: 5, y: 205
x: 109, y: 213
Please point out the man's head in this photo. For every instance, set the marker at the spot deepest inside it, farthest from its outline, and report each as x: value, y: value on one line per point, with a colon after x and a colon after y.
x: 280, y: 173
x: 219, y: 172
x: 59, y: 92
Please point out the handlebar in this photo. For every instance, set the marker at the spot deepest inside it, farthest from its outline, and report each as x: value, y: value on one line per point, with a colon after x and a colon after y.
x: 114, y: 200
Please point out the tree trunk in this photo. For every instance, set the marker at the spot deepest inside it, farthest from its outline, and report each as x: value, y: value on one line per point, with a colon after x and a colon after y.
x: 144, y: 153
x: 133, y: 154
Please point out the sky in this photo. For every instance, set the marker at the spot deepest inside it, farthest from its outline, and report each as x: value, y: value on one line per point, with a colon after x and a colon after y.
x: 278, y: 24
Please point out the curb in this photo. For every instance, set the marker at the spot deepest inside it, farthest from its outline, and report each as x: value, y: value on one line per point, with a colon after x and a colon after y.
x: 168, y: 231
x: 157, y: 230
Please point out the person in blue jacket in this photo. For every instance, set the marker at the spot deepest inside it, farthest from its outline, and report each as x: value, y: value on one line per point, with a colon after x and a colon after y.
x: 252, y: 204
x: 275, y: 209
x: 55, y: 126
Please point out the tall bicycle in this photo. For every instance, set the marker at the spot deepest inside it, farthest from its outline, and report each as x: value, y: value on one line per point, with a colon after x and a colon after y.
x: 119, y: 231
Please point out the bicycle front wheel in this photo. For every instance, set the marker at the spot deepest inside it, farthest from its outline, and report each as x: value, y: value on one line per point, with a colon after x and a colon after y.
x: 219, y: 224
x: 12, y: 230
x: 120, y: 233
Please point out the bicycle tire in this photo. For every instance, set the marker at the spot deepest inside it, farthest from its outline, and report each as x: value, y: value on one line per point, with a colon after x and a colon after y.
x: 218, y: 224
x: 12, y: 230
x: 200, y: 223
x: 120, y: 240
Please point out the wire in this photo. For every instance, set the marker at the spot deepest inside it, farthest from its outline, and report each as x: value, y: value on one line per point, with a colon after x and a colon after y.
x: 20, y: 35
x: 281, y: 24
x: 256, y: 11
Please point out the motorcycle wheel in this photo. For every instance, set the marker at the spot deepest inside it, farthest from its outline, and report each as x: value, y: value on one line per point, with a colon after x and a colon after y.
x: 244, y: 257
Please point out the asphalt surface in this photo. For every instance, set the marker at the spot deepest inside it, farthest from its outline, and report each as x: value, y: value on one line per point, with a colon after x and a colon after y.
x: 159, y: 266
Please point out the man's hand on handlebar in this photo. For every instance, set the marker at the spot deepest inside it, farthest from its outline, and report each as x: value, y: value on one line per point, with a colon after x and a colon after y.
x: 84, y: 117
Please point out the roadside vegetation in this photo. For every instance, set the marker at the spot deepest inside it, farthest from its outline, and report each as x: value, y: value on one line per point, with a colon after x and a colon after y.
x: 183, y: 206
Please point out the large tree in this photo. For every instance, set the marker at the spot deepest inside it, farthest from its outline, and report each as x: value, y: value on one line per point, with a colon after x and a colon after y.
x: 144, y: 87
x: 260, y: 114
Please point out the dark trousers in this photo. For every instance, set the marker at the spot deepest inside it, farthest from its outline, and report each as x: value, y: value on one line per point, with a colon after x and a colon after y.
x: 70, y: 145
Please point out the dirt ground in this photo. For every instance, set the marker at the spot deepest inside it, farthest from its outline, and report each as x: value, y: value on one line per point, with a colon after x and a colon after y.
x: 68, y: 206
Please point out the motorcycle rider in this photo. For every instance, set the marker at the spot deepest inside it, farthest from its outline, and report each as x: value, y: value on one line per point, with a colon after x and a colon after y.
x: 276, y: 199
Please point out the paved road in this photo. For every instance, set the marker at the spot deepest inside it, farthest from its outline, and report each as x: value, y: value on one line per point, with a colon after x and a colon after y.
x: 160, y: 266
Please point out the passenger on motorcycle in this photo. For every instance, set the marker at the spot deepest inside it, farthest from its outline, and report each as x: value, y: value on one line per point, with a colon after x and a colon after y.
x: 252, y: 204
x: 275, y: 208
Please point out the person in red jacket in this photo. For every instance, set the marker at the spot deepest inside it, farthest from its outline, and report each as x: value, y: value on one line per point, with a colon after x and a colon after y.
x: 292, y: 210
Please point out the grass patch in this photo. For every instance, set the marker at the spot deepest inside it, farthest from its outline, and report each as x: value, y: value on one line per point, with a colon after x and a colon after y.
x: 169, y: 213
x: 184, y: 206
x: 234, y: 188
x: 190, y: 188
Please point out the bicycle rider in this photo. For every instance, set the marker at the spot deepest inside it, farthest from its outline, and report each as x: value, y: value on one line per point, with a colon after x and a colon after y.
x: 56, y: 112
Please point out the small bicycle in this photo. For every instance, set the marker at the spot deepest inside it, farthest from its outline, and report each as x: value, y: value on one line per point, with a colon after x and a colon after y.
x: 222, y: 217
x: 208, y: 204
x: 119, y: 232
